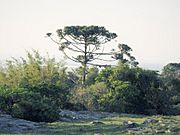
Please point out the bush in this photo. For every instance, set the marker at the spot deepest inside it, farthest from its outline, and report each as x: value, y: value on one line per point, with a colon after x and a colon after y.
x: 123, y: 98
x: 88, y: 97
x: 36, y: 108
x: 133, y: 90
x: 171, y: 79
x: 34, y: 89
x: 28, y: 105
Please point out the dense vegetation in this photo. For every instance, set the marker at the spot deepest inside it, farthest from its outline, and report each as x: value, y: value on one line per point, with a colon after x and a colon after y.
x: 36, y: 88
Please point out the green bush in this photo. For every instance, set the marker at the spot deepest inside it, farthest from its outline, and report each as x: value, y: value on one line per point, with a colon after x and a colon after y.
x: 34, y: 107
x: 34, y: 88
x: 122, y: 98
x: 133, y: 90
x: 171, y: 79
x: 88, y: 97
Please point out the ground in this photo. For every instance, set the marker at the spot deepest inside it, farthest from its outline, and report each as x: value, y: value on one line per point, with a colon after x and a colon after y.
x: 114, y: 125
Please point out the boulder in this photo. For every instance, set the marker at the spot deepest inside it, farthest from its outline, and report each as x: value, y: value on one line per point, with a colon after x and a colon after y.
x: 150, y: 121
x: 130, y: 124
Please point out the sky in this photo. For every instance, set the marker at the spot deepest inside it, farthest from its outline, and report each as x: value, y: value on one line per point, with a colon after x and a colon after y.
x: 150, y: 27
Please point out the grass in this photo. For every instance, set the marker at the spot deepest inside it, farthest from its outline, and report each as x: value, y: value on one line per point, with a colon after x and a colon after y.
x: 113, y: 126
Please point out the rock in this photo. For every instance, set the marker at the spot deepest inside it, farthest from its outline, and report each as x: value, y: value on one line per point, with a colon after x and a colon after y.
x: 130, y: 124
x: 64, y: 119
x: 150, y: 121
x: 176, y: 106
x: 160, y: 121
x: 98, y: 134
x: 168, y: 131
x: 160, y: 131
x: 84, y: 115
x: 13, y: 125
x: 163, y: 125
x: 176, y: 129
x: 97, y: 123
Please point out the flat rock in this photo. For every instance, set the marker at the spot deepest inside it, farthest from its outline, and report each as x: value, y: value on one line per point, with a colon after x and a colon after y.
x: 130, y: 124
x: 14, y: 125
x: 97, y: 123
x: 150, y: 121
x: 84, y: 115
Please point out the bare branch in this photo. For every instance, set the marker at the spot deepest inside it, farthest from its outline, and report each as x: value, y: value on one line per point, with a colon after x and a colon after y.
x: 74, y: 50
x: 77, y: 59
x: 106, y: 60
x: 78, y: 48
x: 54, y: 40
x: 100, y: 65
x: 69, y: 57
x: 76, y: 38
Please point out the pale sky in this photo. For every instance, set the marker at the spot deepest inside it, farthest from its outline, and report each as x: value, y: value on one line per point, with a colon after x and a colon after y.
x: 150, y: 27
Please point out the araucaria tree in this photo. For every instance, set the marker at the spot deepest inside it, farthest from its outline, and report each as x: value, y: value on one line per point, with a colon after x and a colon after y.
x: 83, y: 44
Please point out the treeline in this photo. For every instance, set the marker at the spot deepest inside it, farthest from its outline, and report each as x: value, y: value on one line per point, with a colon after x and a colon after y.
x: 36, y: 88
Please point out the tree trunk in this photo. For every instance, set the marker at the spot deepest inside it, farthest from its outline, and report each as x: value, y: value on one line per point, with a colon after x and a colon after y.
x: 84, y: 67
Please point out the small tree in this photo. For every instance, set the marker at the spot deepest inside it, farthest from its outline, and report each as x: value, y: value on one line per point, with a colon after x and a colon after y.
x: 86, y: 41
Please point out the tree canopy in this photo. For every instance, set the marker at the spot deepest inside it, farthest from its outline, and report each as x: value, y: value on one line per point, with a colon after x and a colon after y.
x: 83, y: 44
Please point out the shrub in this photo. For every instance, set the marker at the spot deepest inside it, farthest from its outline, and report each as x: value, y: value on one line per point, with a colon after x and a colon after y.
x: 34, y: 88
x: 34, y: 107
x: 89, y: 96
x: 133, y: 90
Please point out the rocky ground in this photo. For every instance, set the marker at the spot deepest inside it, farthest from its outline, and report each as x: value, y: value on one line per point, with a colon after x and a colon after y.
x: 91, y: 123
x: 15, y: 125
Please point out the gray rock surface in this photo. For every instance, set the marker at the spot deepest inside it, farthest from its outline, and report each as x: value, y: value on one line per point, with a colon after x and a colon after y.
x: 66, y: 115
x: 150, y: 121
x: 97, y: 123
x: 13, y: 125
x: 130, y: 124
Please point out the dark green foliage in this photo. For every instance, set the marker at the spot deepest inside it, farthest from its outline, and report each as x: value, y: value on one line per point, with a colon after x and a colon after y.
x: 90, y: 32
x: 125, y: 89
x: 171, y: 80
x: 133, y: 90
x: 35, y: 107
x: 92, y: 74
